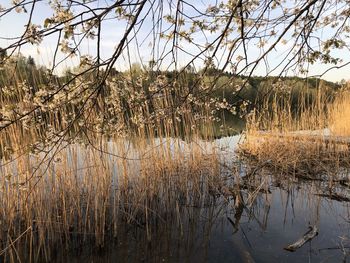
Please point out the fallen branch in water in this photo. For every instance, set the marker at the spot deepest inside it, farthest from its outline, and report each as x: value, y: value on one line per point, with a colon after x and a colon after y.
x: 307, y: 237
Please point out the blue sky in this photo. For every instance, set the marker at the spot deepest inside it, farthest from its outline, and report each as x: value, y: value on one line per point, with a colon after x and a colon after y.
x: 13, y: 25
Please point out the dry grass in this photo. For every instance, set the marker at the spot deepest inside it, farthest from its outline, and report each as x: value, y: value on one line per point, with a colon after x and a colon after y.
x: 340, y: 115
x: 69, y: 181
x: 64, y: 186
x: 303, y: 143
x: 84, y: 196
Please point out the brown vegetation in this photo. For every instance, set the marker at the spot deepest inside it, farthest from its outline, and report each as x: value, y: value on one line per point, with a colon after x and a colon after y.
x: 304, y: 143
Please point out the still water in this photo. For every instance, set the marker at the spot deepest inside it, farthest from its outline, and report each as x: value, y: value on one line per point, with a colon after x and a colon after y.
x: 221, y: 229
x: 223, y: 233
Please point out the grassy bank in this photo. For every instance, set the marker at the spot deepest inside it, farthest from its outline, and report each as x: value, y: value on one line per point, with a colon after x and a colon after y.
x: 310, y: 143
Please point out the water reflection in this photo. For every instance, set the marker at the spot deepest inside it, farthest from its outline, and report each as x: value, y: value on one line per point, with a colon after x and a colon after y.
x: 251, y: 218
x: 226, y: 231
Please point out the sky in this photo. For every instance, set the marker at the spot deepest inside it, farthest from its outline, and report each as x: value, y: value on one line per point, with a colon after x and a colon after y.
x: 13, y: 24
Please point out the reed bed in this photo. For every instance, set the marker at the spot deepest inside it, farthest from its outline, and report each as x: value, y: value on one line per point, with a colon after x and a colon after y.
x: 80, y: 165
x: 81, y: 161
x: 72, y: 179
x: 304, y: 143
x: 83, y: 196
x: 339, y: 122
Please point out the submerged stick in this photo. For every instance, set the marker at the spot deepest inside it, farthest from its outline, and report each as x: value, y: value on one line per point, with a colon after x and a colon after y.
x: 307, y: 237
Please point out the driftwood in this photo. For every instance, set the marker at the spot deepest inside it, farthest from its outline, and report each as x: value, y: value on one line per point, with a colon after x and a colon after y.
x: 305, y: 238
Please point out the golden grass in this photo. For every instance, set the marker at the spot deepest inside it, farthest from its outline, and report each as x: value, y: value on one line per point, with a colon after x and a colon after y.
x: 58, y: 194
x: 73, y: 181
x: 339, y: 122
x: 84, y: 196
x: 303, y: 143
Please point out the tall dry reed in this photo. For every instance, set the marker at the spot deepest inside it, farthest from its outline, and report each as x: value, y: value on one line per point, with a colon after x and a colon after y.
x: 78, y: 164
x: 301, y: 141
x: 339, y: 122
x: 83, y: 196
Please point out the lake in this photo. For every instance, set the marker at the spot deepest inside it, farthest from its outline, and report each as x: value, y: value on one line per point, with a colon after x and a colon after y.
x: 251, y: 217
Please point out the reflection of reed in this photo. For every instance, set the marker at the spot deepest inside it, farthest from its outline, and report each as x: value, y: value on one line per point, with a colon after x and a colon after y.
x: 157, y: 207
x: 80, y: 196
